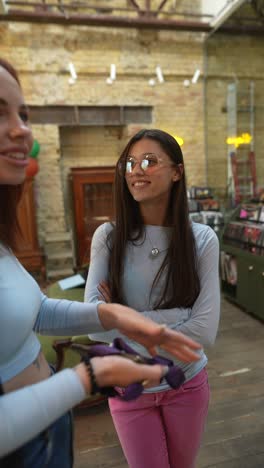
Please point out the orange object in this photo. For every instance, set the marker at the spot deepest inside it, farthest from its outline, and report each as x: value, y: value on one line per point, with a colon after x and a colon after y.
x: 33, y: 167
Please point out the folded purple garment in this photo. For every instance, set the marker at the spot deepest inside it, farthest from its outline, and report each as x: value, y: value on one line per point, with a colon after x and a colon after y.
x: 174, y: 376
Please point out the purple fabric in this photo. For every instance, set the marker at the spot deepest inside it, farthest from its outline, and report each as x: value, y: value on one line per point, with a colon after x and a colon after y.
x: 174, y: 377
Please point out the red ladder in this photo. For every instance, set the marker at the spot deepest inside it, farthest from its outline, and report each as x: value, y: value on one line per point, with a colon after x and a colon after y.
x: 244, y: 176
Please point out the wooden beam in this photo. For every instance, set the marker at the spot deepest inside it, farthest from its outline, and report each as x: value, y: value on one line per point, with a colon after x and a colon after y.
x: 162, y: 5
x: 141, y: 22
x: 134, y: 4
x: 148, y: 6
x: 144, y: 20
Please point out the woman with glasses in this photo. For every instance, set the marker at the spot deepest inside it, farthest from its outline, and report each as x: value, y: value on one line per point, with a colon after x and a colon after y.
x: 153, y: 258
x: 36, y: 429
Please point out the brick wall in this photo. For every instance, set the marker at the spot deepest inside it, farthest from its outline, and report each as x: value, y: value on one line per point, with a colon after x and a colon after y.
x: 41, y: 54
x: 240, y: 59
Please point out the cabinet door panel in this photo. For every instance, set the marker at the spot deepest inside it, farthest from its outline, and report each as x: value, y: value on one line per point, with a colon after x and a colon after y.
x: 246, y: 286
x: 259, y: 302
x: 93, y: 205
x: 28, y: 250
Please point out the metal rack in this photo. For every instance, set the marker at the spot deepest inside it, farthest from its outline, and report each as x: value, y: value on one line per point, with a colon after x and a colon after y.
x: 241, y: 169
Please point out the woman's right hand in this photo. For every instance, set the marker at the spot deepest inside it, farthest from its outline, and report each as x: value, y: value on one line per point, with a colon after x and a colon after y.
x: 117, y: 371
x: 148, y: 333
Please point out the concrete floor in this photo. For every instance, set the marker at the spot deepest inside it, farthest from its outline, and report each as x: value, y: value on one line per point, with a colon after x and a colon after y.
x: 235, y: 428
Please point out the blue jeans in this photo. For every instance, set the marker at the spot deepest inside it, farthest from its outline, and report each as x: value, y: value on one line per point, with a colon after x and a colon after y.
x: 50, y: 449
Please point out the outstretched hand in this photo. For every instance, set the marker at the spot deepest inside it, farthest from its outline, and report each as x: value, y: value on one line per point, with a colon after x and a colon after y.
x: 121, y: 372
x: 146, y: 332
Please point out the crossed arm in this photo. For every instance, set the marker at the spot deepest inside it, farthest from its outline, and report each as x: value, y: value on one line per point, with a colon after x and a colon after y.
x: 199, y: 322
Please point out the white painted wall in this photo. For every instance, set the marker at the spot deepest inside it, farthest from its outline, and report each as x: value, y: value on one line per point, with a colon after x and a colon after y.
x: 212, y: 7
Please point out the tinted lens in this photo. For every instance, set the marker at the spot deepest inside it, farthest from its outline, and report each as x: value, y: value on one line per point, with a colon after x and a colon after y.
x: 144, y: 164
x: 129, y: 166
x: 149, y: 161
x: 152, y: 160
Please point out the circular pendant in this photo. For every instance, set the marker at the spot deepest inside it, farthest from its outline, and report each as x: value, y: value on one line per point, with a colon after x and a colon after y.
x: 154, y: 252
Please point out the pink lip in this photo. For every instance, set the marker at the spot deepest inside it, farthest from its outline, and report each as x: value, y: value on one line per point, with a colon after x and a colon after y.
x: 136, y: 181
x: 16, y: 162
x: 13, y: 150
x: 20, y: 149
x: 140, y: 180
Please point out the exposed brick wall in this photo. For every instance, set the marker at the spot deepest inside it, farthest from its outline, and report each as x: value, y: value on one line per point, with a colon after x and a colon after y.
x: 41, y: 54
x: 49, y: 193
x: 232, y: 58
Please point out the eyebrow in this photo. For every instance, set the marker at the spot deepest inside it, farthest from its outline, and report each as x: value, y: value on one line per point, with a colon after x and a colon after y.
x: 4, y: 103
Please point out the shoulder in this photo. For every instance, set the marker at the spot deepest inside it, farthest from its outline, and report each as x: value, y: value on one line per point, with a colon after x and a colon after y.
x: 202, y: 230
x: 104, y: 229
x: 4, y: 250
x: 6, y: 254
x: 204, y: 235
x: 102, y: 232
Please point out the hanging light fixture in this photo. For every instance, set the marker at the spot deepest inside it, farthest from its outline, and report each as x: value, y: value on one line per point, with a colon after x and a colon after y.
x: 73, y: 73
x: 196, y: 75
x: 159, y: 74
x: 112, y: 77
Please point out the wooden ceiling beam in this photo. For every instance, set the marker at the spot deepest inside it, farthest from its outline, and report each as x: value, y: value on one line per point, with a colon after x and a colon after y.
x: 141, y: 22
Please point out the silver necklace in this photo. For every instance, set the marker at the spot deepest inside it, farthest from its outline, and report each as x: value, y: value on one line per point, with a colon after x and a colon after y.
x: 155, y: 251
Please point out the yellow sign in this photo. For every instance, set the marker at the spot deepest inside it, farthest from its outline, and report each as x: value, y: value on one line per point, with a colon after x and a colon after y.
x: 243, y: 139
x: 179, y: 140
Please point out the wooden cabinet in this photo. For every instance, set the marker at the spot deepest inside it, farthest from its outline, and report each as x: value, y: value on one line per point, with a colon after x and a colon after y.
x: 28, y: 250
x: 92, y: 190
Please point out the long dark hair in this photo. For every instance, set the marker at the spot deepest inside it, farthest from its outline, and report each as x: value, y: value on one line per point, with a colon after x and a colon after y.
x: 182, y: 284
x: 9, y: 195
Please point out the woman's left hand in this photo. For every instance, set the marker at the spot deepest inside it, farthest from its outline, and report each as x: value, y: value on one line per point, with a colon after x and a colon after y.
x: 148, y: 333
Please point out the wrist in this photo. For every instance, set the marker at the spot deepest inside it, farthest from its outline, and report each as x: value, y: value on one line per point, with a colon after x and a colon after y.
x: 92, y: 374
x: 107, y: 315
x: 81, y: 371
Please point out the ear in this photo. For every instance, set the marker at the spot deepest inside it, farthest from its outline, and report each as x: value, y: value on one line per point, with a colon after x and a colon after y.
x: 178, y: 173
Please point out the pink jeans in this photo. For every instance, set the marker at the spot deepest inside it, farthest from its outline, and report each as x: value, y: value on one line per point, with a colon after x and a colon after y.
x: 163, y: 430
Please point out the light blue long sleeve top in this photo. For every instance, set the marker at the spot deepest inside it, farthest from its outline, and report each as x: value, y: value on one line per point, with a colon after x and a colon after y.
x: 25, y: 311
x: 199, y: 322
